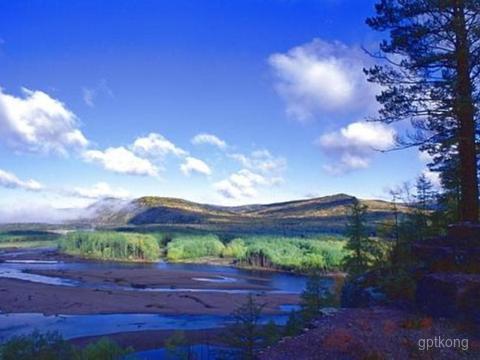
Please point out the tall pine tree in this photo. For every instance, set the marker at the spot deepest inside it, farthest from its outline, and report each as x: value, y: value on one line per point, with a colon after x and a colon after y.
x: 430, y: 77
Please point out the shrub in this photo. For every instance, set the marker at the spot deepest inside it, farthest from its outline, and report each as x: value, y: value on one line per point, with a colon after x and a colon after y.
x: 37, y: 346
x: 191, y: 247
x: 235, y: 249
x: 111, y: 245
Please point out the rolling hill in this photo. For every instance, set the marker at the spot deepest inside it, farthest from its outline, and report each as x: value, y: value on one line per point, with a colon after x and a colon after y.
x: 321, y: 214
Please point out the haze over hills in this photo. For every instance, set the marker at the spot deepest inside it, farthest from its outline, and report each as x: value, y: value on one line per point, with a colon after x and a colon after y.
x: 328, y: 213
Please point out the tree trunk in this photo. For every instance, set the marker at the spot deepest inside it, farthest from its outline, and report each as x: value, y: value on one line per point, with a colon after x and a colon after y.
x: 465, y: 112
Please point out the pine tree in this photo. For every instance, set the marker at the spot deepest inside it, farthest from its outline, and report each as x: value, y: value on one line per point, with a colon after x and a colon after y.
x: 424, y: 201
x: 429, y: 77
x: 365, y: 251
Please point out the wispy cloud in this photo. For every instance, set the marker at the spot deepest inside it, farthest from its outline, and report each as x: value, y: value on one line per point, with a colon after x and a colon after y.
x: 262, y: 161
x: 210, y: 139
x: 11, y: 181
x: 90, y: 94
x: 37, y: 122
x: 100, y: 190
x: 323, y: 78
x: 353, y: 146
x: 260, y: 170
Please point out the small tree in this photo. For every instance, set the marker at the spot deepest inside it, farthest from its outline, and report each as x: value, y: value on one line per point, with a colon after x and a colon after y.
x: 365, y: 251
x: 314, y: 297
x: 246, y: 333
x: 177, y: 346
x: 294, y: 324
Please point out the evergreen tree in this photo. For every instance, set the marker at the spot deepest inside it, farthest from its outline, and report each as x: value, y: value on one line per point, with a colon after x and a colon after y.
x: 365, y: 251
x: 430, y: 77
x: 424, y: 201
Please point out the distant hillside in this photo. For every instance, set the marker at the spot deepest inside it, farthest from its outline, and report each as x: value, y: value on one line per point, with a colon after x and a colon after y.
x: 327, y: 213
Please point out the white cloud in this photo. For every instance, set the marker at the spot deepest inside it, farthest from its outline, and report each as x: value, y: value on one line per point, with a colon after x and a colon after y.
x: 121, y: 160
x: 323, y: 77
x: 37, y: 122
x: 244, y: 184
x: 99, y: 191
x: 209, y: 139
x: 433, y: 177
x: 156, y: 145
x: 262, y: 161
x: 90, y: 94
x: 11, y: 181
x: 194, y: 165
x: 353, y: 146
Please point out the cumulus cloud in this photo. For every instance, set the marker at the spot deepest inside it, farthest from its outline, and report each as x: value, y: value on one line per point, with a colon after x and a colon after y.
x: 194, y: 165
x: 240, y: 184
x: 353, y: 146
x: 209, y: 139
x: 37, y: 122
x: 11, y: 181
x: 122, y: 161
x: 156, y: 145
x: 323, y: 77
x: 100, y: 190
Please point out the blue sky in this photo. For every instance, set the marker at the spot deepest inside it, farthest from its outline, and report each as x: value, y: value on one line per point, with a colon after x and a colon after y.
x: 228, y: 102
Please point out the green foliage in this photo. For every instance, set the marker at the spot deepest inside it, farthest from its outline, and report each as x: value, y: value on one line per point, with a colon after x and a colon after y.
x: 315, y: 297
x: 236, y: 248
x: 299, y: 254
x: 294, y: 324
x: 271, y: 333
x: 365, y: 251
x: 190, y: 247
x: 51, y: 346
x: 18, y: 236
x: 37, y: 346
x: 104, y: 349
x: 111, y: 245
x: 177, y: 346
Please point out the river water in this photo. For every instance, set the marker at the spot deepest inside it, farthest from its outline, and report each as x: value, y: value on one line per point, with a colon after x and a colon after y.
x: 75, y: 326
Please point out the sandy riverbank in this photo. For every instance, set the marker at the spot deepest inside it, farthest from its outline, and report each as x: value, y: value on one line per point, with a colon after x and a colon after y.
x: 23, y: 296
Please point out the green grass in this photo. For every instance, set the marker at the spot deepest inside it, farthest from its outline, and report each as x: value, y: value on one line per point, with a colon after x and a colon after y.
x: 28, y: 244
x: 18, y: 236
x: 109, y: 245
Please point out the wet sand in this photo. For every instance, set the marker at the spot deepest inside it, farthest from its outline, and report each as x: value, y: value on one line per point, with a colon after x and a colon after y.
x: 22, y: 296
x: 159, y: 278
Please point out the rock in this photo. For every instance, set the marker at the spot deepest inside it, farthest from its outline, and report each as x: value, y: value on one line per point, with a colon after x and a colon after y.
x: 450, y: 295
x: 357, y: 294
x: 328, y: 311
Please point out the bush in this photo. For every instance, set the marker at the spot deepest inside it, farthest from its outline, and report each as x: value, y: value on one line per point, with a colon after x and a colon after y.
x: 111, y: 245
x: 52, y: 346
x: 104, y: 349
x: 191, y: 247
x: 37, y: 346
x: 235, y: 249
x: 298, y: 254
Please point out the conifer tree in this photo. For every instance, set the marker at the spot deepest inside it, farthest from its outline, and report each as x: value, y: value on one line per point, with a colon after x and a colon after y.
x: 430, y: 77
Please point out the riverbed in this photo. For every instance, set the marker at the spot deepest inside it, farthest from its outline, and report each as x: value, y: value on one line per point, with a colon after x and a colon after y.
x: 42, y: 289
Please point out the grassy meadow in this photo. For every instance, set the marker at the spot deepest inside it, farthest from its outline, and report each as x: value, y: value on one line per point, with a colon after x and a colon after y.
x: 27, y: 239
